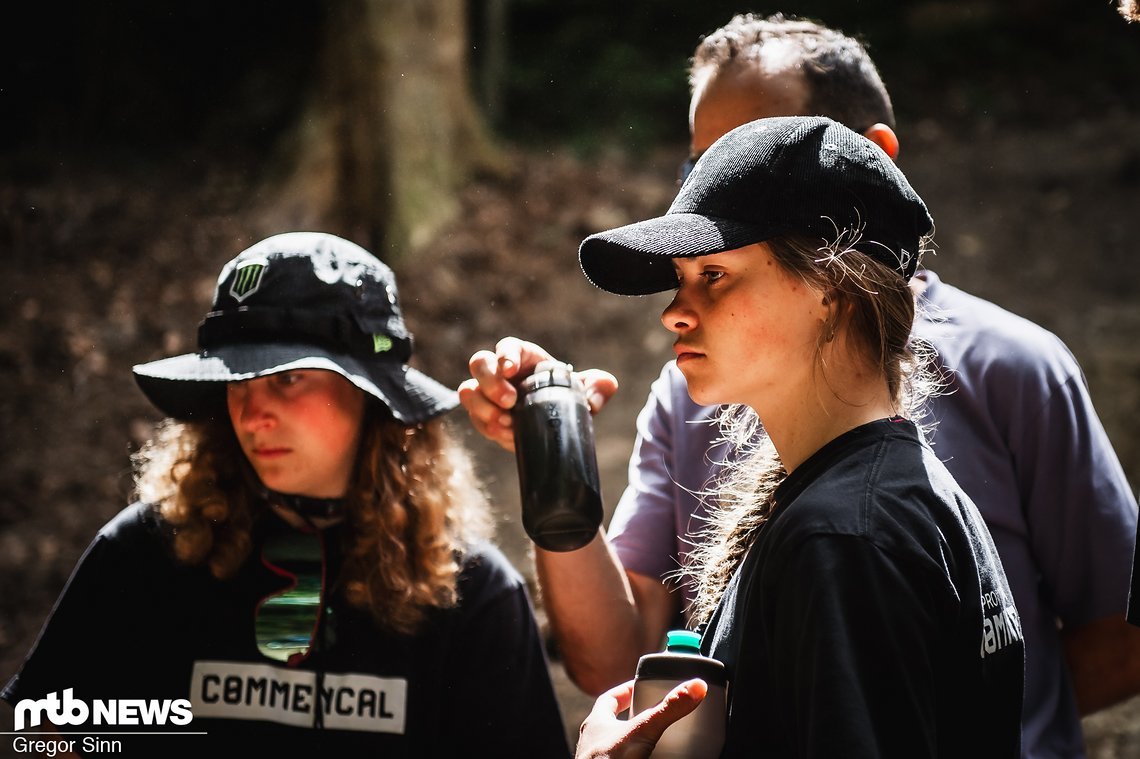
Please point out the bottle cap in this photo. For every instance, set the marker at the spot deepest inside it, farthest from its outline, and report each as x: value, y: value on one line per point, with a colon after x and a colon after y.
x: 551, y: 373
x: 680, y: 661
x: 683, y: 641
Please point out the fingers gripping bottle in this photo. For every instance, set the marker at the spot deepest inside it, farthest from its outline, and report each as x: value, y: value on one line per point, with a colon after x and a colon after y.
x: 699, y: 735
x: 558, y: 467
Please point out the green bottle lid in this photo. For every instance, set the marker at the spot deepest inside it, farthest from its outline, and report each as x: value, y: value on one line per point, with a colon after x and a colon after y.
x: 683, y: 641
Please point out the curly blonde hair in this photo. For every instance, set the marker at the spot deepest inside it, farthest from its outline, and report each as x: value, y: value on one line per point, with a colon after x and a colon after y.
x: 414, y: 508
x: 877, y: 308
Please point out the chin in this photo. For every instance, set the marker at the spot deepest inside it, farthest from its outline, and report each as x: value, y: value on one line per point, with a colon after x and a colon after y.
x: 702, y: 395
x: 280, y: 485
x: 702, y: 387
x: 710, y: 395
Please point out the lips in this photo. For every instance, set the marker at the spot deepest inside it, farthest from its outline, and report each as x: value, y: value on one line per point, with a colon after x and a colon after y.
x: 269, y: 453
x: 685, y: 353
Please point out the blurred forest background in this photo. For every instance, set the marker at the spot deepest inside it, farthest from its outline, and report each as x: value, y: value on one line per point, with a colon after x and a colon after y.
x: 473, y: 145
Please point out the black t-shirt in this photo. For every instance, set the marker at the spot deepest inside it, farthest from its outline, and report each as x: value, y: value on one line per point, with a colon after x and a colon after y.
x: 871, y: 616
x: 133, y: 623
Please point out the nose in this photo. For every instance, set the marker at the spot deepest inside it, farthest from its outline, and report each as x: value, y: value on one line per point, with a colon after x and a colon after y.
x: 250, y: 405
x: 678, y: 316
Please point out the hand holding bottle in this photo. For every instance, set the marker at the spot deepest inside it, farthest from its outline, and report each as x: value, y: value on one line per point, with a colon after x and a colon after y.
x: 699, y: 735
x: 604, y: 735
x: 492, y: 390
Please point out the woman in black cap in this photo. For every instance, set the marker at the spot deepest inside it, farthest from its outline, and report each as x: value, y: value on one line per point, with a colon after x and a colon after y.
x: 306, y: 567
x: 851, y: 588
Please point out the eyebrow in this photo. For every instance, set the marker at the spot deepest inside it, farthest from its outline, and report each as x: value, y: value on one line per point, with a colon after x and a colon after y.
x: 677, y: 260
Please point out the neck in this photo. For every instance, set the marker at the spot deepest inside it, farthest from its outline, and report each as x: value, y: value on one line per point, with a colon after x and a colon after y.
x: 821, y: 409
x: 303, y: 512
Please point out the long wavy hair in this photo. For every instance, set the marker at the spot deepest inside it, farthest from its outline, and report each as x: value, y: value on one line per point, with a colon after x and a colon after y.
x: 414, y: 507
x: 875, y: 313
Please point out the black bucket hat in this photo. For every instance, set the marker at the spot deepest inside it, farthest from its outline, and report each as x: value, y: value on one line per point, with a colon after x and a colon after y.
x: 771, y: 177
x: 299, y: 300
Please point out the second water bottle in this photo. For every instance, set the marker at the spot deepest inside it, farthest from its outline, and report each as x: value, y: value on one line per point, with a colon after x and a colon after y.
x: 557, y: 463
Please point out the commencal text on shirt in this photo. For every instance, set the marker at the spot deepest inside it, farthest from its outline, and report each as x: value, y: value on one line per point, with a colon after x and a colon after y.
x: 239, y: 690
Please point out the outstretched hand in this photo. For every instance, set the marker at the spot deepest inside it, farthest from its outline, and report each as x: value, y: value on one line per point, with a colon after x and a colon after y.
x: 604, y: 736
x: 492, y: 390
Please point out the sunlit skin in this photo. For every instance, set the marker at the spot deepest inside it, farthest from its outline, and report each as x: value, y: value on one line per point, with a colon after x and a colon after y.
x: 739, y: 93
x: 746, y: 330
x: 750, y: 90
x: 299, y: 429
x: 749, y: 332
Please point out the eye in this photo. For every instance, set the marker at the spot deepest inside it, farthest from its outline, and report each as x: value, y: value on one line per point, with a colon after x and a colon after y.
x: 287, y: 379
x: 712, y: 275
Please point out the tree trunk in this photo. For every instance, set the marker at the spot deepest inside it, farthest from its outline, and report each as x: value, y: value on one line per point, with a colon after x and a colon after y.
x: 391, y: 131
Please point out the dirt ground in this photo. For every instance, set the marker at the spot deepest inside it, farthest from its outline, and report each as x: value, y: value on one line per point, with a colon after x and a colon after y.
x: 105, y: 267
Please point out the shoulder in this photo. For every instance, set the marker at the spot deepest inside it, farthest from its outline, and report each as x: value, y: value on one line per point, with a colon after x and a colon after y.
x: 487, y: 574
x: 137, y: 531
x: 137, y: 522
x: 975, y: 335
x: 890, y: 491
x: 126, y: 558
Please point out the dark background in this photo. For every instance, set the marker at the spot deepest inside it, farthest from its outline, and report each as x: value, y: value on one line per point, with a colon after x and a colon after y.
x: 137, y: 139
x: 144, y: 76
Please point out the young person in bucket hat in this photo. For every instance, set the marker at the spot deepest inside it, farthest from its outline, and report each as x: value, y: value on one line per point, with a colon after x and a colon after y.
x: 850, y: 587
x: 307, y: 564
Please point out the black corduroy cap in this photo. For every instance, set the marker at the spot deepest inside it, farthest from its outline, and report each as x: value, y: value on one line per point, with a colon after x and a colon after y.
x: 299, y: 300
x: 797, y: 175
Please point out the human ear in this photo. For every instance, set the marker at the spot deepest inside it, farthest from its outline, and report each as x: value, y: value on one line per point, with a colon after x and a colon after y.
x: 885, y: 137
x: 830, y: 302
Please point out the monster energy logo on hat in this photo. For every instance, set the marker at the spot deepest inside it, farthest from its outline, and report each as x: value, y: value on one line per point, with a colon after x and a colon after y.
x: 247, y: 278
x: 322, y: 302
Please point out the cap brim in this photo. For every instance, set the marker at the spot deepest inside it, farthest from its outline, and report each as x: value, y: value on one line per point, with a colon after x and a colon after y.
x: 191, y: 387
x: 636, y: 259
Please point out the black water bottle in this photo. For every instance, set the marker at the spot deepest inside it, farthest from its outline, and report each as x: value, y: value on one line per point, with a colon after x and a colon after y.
x: 558, y: 467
